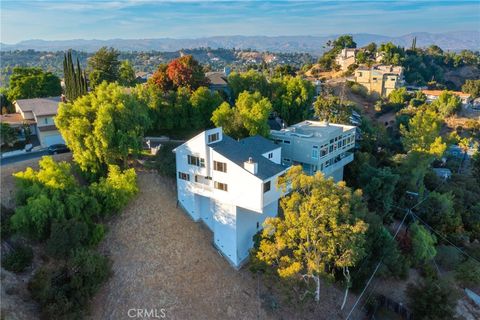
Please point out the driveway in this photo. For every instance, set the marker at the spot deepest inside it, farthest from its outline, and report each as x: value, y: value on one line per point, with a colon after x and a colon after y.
x: 24, y: 156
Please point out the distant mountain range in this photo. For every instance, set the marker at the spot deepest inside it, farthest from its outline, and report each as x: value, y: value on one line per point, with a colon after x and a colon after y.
x: 453, y: 41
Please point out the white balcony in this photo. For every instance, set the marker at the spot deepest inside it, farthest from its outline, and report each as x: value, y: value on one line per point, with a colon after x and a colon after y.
x: 339, y: 164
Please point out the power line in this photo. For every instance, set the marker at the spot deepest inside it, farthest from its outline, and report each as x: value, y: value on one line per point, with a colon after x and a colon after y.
x: 376, y: 268
x: 443, y: 237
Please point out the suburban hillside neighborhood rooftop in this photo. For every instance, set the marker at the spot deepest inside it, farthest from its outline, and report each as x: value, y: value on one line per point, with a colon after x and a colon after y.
x: 39, y: 106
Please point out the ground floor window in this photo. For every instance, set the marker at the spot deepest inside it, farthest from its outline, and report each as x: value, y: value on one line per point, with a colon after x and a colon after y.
x: 183, y: 176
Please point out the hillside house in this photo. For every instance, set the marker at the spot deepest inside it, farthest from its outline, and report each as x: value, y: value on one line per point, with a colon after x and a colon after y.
x: 218, y: 81
x: 229, y: 185
x: 382, y: 79
x: 39, y: 114
x: 433, y: 95
x: 346, y: 58
x: 317, y: 146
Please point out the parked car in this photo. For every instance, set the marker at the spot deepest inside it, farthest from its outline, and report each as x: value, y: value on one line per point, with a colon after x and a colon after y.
x: 58, y: 148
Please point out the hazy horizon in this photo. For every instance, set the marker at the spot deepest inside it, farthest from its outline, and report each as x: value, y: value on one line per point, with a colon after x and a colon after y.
x: 127, y: 19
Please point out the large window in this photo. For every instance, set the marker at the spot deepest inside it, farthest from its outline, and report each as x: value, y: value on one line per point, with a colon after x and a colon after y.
x: 266, y: 186
x: 221, y: 186
x: 196, y: 161
x: 219, y: 166
x: 213, y: 137
x: 183, y: 176
x: 315, y: 152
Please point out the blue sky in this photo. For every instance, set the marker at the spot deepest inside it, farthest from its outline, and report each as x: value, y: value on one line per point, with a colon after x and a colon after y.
x: 134, y: 19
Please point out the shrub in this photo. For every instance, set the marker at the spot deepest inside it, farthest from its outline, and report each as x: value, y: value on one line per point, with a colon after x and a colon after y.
x: 468, y: 273
x: 66, y: 236
x: 63, y: 293
x: 448, y: 257
x: 432, y: 299
x: 19, y: 259
x: 165, y: 160
x: 5, y: 225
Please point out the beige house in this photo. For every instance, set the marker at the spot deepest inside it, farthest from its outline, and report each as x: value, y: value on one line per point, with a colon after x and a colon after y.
x: 346, y: 58
x: 39, y: 112
x: 382, y: 79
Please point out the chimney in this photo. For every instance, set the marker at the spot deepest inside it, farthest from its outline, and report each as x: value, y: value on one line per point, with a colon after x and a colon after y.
x: 251, y: 166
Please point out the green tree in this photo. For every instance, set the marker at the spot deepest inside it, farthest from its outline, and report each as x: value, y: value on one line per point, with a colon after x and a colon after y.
x: 75, y: 80
x: 399, y: 96
x: 331, y: 109
x: 116, y: 190
x: 292, y: 97
x: 247, y: 118
x: 423, y: 244
x: 476, y: 166
x: 104, y: 66
x: 251, y: 81
x: 103, y: 127
x: 423, y: 134
x: 438, y: 211
x: 472, y: 87
x: 344, y: 41
x: 126, y: 74
x: 321, y: 230
x: 27, y: 82
x: 468, y: 273
x: 447, y: 104
x: 67, y: 236
x: 8, y: 135
x: 432, y: 300
x: 203, y: 102
x: 391, y: 54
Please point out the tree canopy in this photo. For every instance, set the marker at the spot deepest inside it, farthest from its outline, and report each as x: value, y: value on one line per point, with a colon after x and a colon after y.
x: 331, y: 109
x: 126, y: 74
x: 28, y: 82
x: 103, y: 66
x: 447, y: 103
x: 247, y: 118
x: 321, y: 231
x: 103, y: 127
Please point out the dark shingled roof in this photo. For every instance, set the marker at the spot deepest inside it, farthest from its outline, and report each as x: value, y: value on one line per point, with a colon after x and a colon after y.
x: 259, y: 144
x: 239, y: 153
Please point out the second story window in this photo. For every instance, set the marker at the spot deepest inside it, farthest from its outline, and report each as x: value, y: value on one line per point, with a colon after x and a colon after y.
x: 219, y: 166
x: 196, y: 161
x: 315, y: 152
x: 213, y: 137
x: 266, y: 186
x: 183, y: 176
x: 270, y: 155
x: 221, y: 186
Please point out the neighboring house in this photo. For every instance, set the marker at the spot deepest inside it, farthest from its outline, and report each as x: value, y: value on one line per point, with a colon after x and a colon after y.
x: 142, y: 77
x: 218, y: 81
x: 317, y: 146
x: 382, y: 79
x: 39, y: 112
x: 231, y: 186
x: 346, y: 58
x: 433, y: 95
x: 454, y: 150
x: 16, y: 121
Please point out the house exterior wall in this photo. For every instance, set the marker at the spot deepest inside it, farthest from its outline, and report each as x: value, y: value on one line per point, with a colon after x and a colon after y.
x: 232, y: 215
x: 338, y: 145
x: 380, y: 81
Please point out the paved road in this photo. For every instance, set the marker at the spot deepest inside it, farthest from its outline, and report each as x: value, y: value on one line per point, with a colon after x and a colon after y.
x: 23, y: 157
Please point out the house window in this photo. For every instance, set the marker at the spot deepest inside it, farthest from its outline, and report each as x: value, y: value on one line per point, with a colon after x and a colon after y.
x: 315, y: 153
x: 196, y: 161
x: 46, y: 120
x: 266, y: 186
x: 323, y: 152
x: 213, y: 137
x: 270, y: 155
x: 183, y: 176
x: 286, y: 160
x: 286, y: 141
x: 219, y: 166
x: 221, y: 186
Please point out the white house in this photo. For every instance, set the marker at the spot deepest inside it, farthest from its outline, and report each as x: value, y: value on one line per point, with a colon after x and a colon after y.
x: 317, y: 145
x: 229, y: 185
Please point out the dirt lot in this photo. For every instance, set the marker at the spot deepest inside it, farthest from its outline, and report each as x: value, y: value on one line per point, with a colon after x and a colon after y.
x: 162, y: 259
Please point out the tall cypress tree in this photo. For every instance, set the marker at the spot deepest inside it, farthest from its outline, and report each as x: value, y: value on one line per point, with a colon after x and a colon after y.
x: 75, y: 80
